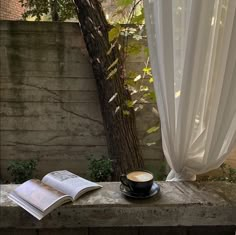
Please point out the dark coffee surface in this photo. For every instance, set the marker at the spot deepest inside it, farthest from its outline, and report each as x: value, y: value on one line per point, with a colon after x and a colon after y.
x: 139, y: 176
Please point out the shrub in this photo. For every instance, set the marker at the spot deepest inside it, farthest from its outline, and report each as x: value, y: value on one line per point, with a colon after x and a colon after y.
x: 100, y: 169
x: 224, y: 173
x: 160, y: 173
x: 22, y: 170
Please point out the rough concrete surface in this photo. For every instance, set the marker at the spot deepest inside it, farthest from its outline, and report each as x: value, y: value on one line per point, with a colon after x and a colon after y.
x: 178, y: 204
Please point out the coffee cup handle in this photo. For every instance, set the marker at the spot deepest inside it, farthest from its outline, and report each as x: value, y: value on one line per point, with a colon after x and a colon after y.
x: 123, y: 180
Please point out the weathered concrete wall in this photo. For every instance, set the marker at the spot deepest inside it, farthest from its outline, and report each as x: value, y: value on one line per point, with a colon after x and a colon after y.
x: 49, y: 107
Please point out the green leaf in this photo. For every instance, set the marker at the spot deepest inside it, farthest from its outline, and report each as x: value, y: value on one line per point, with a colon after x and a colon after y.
x: 151, y: 80
x: 138, y: 19
x: 110, y: 50
x: 113, y: 97
x: 117, y: 109
x: 152, y: 96
x: 124, y: 2
x: 130, y: 82
x: 133, y: 90
x: 137, y: 37
x: 132, y: 74
x: 146, y: 51
x: 144, y: 88
x: 112, y: 46
x: 152, y: 129
x: 147, y: 70
x: 140, y: 106
x: 113, y: 64
x: 114, y: 32
x: 137, y: 78
x: 126, y: 112
x: 134, y: 48
x: 150, y: 144
x: 112, y: 73
x: 129, y: 103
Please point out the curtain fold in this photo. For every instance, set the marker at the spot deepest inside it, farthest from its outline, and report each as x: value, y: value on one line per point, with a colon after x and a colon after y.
x: 192, y: 46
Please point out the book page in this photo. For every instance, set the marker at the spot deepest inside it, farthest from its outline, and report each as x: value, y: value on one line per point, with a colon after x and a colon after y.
x: 69, y: 183
x: 27, y: 206
x: 38, y: 194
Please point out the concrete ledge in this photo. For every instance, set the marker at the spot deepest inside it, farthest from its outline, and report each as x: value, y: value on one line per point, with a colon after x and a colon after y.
x: 179, y: 204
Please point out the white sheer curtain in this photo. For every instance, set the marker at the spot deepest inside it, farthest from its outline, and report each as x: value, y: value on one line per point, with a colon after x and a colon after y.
x: 192, y: 45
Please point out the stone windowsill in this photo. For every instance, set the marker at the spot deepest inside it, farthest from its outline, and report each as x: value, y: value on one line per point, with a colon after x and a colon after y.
x: 178, y: 204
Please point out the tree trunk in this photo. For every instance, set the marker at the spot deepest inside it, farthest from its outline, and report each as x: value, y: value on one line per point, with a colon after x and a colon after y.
x: 54, y: 10
x: 122, y: 140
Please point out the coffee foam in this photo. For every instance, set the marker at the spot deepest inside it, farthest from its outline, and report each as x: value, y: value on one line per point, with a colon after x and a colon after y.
x: 139, y: 176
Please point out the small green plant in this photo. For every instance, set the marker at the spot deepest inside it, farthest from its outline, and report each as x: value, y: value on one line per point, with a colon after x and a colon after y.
x: 100, y: 169
x: 160, y: 173
x: 2, y: 181
x: 226, y: 173
x: 22, y: 170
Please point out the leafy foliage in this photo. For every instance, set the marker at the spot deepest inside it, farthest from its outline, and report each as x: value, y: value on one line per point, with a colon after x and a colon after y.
x: 59, y: 10
x: 152, y: 129
x: 125, y: 2
x: 2, y: 181
x: 101, y: 169
x: 114, y: 32
x: 227, y: 173
x: 138, y: 19
x: 22, y: 170
x: 131, y: 36
x: 159, y: 173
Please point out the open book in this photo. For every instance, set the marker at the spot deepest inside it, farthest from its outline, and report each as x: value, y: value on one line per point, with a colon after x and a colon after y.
x: 56, y: 188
